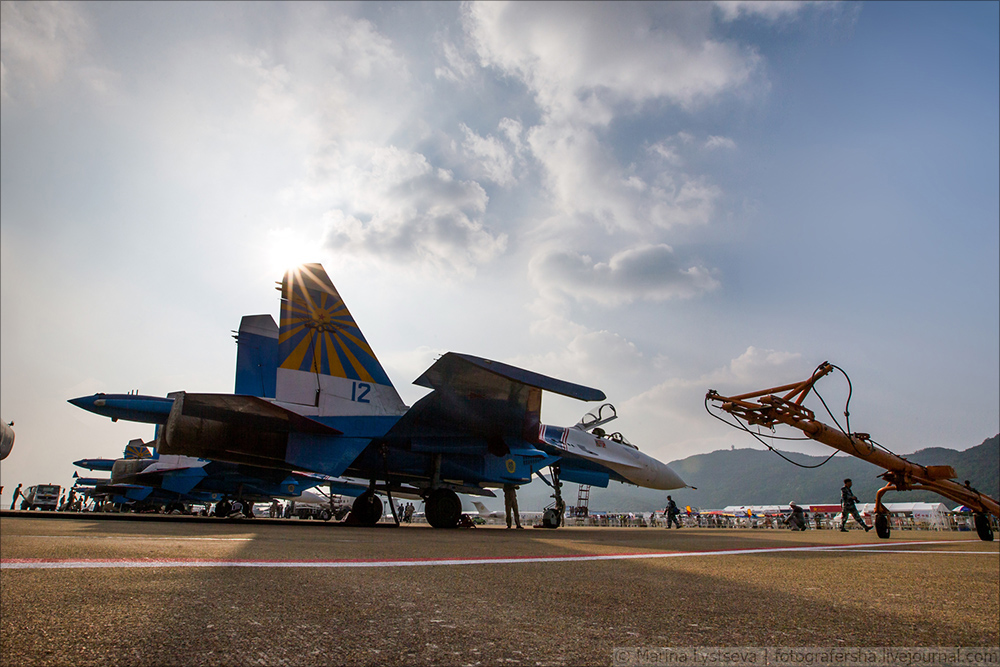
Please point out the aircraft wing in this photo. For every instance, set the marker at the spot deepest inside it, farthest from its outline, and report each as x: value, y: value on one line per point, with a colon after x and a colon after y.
x: 464, y: 372
x: 476, y: 399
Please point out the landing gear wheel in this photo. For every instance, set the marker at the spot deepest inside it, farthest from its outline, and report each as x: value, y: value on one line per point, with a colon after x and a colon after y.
x: 550, y: 518
x: 983, y: 528
x: 367, y: 508
x: 443, y: 508
x: 325, y: 515
x: 882, y: 526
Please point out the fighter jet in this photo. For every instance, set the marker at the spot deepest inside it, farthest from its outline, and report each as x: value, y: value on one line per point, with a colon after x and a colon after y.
x: 143, y: 476
x: 335, y: 412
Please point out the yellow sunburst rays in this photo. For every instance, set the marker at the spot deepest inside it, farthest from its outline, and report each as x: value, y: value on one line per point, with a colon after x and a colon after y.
x: 315, y: 310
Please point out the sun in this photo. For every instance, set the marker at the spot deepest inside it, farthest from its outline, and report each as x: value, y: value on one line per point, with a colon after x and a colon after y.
x: 287, y: 248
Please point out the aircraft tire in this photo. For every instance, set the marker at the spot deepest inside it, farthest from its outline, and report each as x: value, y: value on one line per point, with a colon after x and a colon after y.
x: 443, y: 508
x: 983, y: 528
x: 325, y: 515
x: 882, y: 526
x: 367, y: 508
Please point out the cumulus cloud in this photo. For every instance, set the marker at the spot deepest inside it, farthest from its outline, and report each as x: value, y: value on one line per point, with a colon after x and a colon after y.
x: 457, y: 67
x: 491, y: 157
x: 648, y: 272
x: 771, y: 10
x: 715, y: 142
x: 335, y: 78
x: 588, y: 183
x: 591, y: 357
x: 348, y: 98
x: 402, y: 209
x: 580, y: 59
x: 585, y: 353
x: 587, y: 65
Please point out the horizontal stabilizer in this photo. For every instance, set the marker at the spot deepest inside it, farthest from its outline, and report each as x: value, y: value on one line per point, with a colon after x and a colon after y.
x: 456, y: 371
x: 251, y: 411
x: 240, y: 429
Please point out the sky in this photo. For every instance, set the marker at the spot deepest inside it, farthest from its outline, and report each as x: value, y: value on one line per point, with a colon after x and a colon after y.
x: 650, y: 199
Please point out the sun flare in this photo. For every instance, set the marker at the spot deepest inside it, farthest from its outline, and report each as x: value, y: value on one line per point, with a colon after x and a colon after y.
x: 287, y: 248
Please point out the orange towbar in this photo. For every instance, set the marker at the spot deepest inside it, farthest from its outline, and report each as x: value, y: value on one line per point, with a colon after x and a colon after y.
x: 783, y: 404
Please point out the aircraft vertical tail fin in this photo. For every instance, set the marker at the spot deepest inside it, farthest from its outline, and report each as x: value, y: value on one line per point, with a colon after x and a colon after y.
x: 481, y: 509
x: 257, y: 356
x: 137, y: 449
x: 324, y: 361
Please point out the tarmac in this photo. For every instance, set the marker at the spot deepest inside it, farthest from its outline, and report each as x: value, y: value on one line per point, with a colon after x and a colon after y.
x: 89, y: 591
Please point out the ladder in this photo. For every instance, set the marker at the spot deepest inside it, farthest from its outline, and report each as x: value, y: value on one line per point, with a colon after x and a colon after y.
x: 582, y: 499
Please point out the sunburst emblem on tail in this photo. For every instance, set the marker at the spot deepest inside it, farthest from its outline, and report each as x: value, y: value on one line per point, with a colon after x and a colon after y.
x: 137, y: 449
x: 318, y: 334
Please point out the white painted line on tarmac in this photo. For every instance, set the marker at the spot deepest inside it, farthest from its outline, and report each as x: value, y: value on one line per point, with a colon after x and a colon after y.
x: 923, y: 551
x: 70, y: 564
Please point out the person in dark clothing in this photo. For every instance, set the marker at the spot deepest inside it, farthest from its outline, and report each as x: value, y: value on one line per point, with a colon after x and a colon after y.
x: 848, y: 506
x: 510, y: 504
x: 672, y: 513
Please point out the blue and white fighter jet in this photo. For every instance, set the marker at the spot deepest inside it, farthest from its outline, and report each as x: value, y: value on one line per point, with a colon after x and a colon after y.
x: 143, y: 477
x: 316, y: 399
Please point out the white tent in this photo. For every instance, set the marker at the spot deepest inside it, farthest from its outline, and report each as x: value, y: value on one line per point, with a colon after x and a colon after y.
x: 933, y: 514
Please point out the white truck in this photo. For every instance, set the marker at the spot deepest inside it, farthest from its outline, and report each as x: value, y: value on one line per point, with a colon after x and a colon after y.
x: 41, y: 497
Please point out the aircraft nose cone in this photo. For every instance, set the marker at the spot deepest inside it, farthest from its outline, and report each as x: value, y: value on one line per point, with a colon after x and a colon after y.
x: 86, y: 402
x: 669, y: 479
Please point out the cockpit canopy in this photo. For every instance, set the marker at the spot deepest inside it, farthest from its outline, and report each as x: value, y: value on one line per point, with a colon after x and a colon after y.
x: 594, y: 421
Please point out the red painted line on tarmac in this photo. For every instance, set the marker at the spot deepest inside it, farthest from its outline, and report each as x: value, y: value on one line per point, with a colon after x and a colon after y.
x: 65, y: 564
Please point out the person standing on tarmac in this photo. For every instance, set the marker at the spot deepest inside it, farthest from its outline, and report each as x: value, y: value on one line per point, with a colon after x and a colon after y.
x: 848, y: 506
x: 510, y: 504
x: 17, y: 494
x: 672, y: 513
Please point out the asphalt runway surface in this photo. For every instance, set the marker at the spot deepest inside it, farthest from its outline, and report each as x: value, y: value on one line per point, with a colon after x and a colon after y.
x: 260, y: 592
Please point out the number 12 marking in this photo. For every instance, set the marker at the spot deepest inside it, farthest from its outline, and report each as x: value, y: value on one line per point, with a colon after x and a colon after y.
x: 360, y: 397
